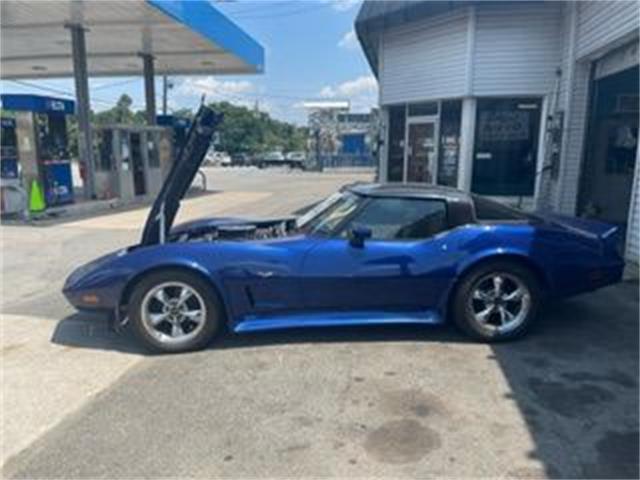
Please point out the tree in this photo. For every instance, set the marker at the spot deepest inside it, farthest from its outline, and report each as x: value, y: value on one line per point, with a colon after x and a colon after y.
x: 120, y: 113
x: 244, y: 130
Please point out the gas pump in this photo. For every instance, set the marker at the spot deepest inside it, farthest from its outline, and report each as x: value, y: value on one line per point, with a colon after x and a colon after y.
x: 131, y: 160
x: 42, y: 145
x: 12, y: 195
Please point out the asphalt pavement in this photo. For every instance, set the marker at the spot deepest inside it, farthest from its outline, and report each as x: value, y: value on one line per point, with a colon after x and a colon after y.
x: 81, y: 402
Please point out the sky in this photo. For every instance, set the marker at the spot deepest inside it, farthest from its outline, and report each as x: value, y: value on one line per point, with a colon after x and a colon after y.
x: 311, y: 52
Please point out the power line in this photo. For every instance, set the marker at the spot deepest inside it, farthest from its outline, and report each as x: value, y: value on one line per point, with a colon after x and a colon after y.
x: 116, y: 84
x: 50, y: 89
x: 282, y: 14
x: 269, y: 5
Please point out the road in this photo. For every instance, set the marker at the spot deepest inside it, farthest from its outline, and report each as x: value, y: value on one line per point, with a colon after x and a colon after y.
x: 81, y: 402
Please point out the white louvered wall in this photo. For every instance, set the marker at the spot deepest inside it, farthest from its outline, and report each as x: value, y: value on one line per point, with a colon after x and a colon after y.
x: 517, y: 48
x: 601, y: 23
x: 425, y: 59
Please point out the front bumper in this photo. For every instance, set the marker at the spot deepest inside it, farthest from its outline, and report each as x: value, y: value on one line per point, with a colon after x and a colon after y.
x: 96, y: 285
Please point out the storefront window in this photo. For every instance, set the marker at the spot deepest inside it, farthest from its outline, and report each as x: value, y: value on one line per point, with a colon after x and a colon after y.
x: 448, y: 158
x: 506, y: 145
x: 395, y: 166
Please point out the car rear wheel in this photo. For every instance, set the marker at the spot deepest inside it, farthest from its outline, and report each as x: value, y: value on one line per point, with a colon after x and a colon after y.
x: 497, y: 301
x: 174, y: 311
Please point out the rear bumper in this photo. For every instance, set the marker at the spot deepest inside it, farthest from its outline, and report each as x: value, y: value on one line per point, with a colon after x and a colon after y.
x: 586, y: 279
x: 604, y: 276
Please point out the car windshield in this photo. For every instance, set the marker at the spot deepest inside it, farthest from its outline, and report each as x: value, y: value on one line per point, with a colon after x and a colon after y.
x: 328, y: 214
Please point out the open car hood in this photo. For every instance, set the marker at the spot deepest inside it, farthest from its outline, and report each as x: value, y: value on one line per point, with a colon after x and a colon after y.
x: 186, y: 165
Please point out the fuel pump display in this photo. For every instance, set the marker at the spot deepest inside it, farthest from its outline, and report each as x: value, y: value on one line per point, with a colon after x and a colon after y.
x: 9, y: 152
x: 42, y: 146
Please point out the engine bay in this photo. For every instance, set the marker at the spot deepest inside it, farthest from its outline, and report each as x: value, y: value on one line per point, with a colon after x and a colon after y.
x: 210, y: 231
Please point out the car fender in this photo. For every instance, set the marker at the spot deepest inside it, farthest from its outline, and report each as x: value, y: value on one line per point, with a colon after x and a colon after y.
x: 502, y: 253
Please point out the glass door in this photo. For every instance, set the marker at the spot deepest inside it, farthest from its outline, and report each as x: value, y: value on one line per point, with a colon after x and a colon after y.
x: 421, y: 152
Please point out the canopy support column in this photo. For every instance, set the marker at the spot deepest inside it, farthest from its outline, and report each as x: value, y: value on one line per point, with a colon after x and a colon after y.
x: 149, y: 87
x: 81, y: 78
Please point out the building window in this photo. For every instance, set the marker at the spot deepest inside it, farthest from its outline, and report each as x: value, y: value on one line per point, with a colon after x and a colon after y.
x: 395, y: 166
x: 449, y: 152
x: 423, y: 109
x: 506, y: 146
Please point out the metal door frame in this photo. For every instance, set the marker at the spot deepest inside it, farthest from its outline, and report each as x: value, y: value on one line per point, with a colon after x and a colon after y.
x: 426, y: 119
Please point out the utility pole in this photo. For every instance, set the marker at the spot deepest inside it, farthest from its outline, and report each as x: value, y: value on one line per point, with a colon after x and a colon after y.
x: 81, y: 77
x: 149, y: 87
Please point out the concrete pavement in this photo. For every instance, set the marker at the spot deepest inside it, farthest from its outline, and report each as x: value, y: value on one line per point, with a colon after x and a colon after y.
x: 392, y: 402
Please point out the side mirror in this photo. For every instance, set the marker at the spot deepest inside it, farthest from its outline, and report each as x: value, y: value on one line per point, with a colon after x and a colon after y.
x: 358, y: 235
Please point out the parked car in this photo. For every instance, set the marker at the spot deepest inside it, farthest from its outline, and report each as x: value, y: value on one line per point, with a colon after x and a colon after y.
x: 369, y: 254
x: 217, y: 159
x: 240, y: 160
x: 271, y: 159
x: 296, y: 160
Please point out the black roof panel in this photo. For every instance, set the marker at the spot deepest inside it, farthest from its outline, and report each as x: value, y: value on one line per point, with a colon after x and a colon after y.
x: 420, y: 190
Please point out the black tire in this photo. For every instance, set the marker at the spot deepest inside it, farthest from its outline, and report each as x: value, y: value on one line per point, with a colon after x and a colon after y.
x: 213, y: 320
x: 462, y: 305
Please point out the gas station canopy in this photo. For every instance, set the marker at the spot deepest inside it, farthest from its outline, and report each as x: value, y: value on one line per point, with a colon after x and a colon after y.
x: 82, y: 38
x: 182, y: 37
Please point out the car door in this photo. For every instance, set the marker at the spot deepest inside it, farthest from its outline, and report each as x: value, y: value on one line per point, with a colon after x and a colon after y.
x: 402, y: 266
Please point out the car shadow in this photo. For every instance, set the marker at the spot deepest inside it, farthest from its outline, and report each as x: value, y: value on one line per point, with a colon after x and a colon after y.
x: 92, y: 331
x: 575, y: 382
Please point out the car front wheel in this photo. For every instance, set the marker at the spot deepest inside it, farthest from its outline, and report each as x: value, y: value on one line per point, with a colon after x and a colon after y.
x: 497, y: 301
x: 174, y: 311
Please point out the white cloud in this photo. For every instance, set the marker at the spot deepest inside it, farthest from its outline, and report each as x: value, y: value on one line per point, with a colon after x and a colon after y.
x: 361, y: 92
x: 234, y: 91
x: 343, y: 5
x: 365, y: 84
x: 238, y: 92
x: 349, y: 41
x: 328, y: 92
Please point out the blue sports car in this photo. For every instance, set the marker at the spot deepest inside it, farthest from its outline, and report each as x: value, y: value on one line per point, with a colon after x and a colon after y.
x: 369, y: 254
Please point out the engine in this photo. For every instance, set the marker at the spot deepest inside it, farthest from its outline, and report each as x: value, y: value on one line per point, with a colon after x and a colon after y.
x: 251, y: 230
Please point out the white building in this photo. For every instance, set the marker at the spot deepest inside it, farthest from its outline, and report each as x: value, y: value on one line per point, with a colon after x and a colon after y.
x: 534, y: 103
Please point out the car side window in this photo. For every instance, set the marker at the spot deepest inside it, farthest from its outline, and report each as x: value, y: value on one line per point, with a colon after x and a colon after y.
x: 489, y: 210
x: 400, y: 218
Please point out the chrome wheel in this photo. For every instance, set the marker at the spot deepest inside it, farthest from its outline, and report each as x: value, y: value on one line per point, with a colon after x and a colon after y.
x: 499, y: 302
x: 173, y: 312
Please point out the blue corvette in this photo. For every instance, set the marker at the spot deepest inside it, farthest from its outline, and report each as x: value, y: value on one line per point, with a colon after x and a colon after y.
x: 369, y: 254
